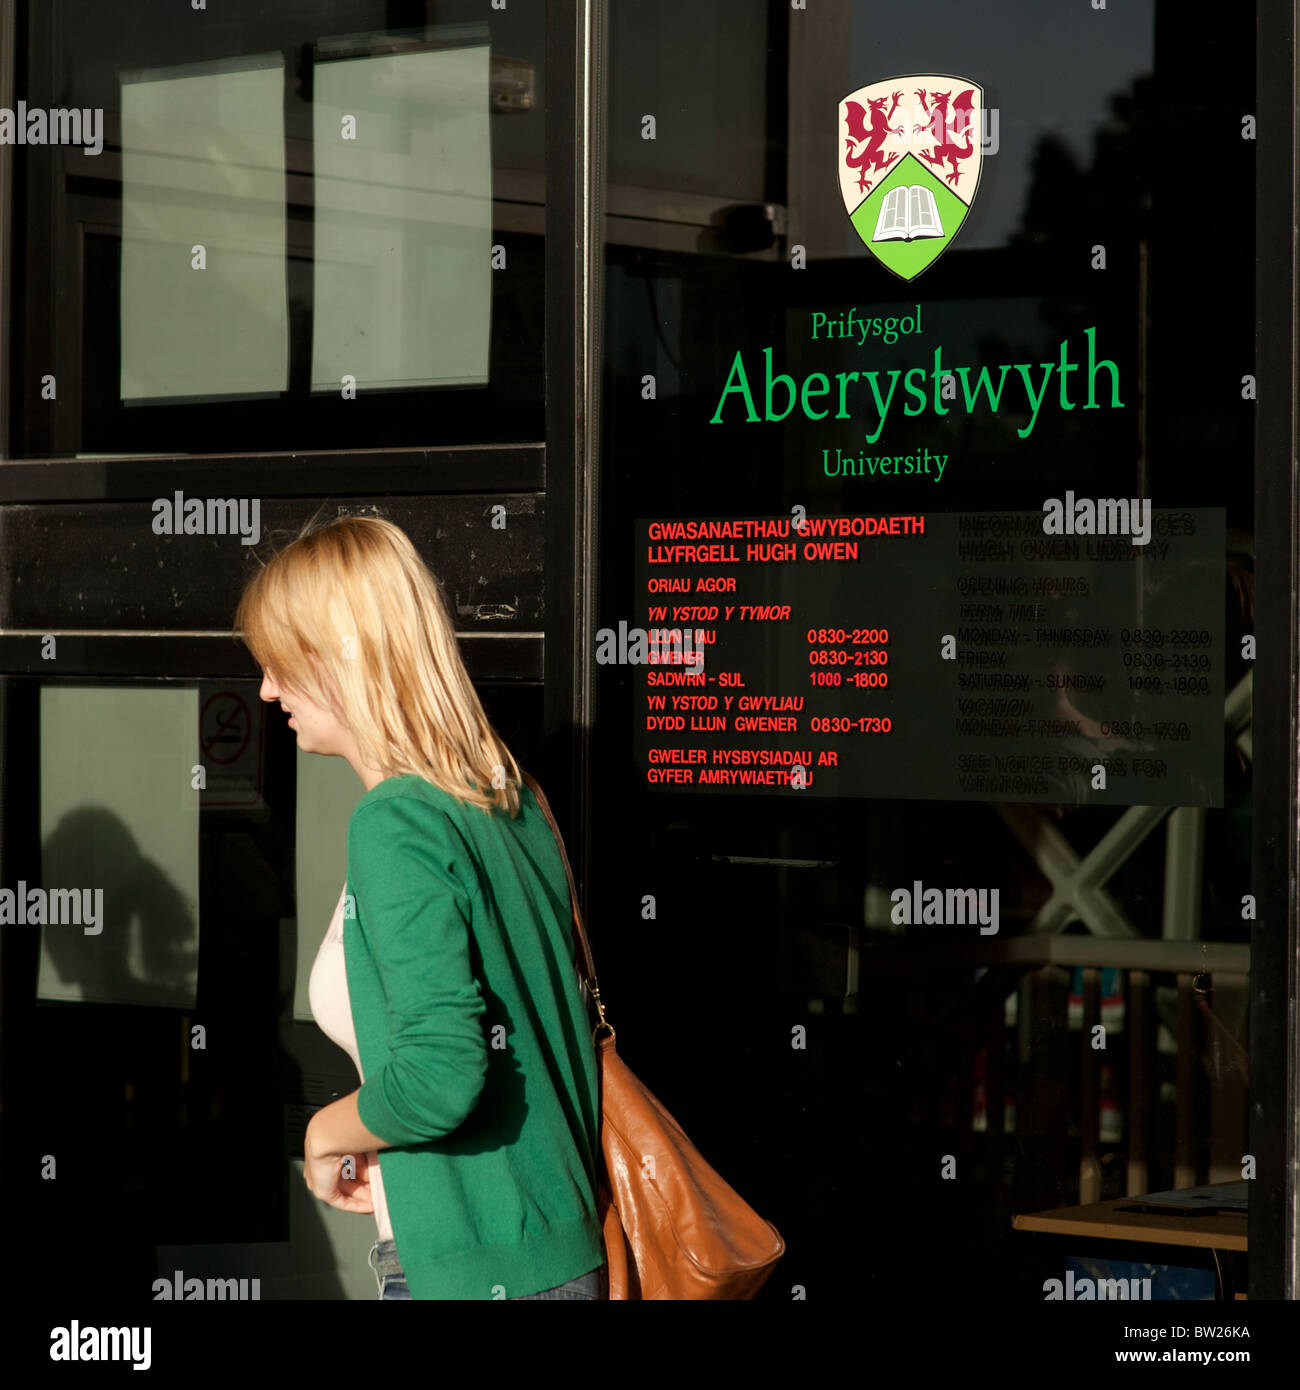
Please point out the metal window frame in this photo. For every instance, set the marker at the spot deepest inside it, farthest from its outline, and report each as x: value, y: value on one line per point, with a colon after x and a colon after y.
x: 8, y: 72
x: 1274, y: 1235
x: 576, y: 167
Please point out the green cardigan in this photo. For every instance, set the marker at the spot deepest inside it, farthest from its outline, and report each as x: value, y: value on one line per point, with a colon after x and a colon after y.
x: 474, y: 1042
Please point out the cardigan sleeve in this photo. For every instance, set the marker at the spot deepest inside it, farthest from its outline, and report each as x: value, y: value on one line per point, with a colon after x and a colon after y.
x: 407, y: 869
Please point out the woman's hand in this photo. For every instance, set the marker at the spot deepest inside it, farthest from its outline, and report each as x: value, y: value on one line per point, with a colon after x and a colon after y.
x: 324, y: 1177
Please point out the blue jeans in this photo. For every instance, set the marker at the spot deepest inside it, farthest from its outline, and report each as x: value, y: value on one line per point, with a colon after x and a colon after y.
x: 392, y: 1280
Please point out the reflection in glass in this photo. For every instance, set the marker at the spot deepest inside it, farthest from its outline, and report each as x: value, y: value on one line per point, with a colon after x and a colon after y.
x: 204, y: 306
x: 120, y: 823
x: 328, y: 790
x: 403, y: 174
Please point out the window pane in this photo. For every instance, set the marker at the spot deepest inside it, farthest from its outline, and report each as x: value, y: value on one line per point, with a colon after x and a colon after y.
x: 403, y: 220
x: 328, y: 790
x: 120, y: 838
x: 204, y: 307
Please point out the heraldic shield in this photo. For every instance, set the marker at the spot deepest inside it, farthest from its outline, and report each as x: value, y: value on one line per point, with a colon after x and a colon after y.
x: 909, y: 165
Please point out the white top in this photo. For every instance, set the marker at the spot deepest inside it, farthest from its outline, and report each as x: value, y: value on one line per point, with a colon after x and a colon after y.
x: 331, y: 1007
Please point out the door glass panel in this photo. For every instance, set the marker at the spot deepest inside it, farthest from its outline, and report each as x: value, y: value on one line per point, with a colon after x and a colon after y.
x: 954, y: 820
x: 328, y: 789
x: 119, y: 846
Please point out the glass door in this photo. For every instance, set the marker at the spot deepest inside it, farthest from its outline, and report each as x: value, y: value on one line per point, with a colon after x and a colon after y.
x: 928, y: 633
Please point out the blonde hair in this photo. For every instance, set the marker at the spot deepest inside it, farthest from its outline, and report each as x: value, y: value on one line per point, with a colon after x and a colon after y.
x: 349, y: 615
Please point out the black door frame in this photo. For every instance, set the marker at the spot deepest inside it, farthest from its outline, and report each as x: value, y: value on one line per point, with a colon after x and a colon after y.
x: 1275, y: 1063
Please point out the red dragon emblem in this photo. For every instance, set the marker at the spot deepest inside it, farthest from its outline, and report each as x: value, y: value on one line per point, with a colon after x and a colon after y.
x: 944, y: 126
x: 870, y: 138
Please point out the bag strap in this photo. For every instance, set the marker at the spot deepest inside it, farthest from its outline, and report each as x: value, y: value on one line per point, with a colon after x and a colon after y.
x: 587, y: 965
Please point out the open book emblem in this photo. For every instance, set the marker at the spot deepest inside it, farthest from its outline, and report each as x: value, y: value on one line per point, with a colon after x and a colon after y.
x: 909, y: 159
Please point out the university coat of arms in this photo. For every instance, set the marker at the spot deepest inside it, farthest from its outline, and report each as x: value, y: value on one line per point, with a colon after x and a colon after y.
x: 909, y: 165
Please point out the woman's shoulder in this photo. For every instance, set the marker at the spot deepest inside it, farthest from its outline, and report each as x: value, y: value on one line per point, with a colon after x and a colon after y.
x: 413, y: 792
x: 405, y: 784
x: 410, y: 786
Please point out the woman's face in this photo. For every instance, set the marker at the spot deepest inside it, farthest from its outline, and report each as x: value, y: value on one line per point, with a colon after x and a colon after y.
x: 318, y: 730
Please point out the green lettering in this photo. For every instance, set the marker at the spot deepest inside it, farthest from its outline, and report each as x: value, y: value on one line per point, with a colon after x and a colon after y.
x: 984, y: 382
x: 1094, y: 367
x: 737, y: 367
x: 882, y: 406
x: 770, y: 381
x: 809, y: 389
x: 1023, y: 369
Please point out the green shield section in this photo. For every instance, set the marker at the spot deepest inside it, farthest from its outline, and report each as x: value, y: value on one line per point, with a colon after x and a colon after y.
x: 907, y: 259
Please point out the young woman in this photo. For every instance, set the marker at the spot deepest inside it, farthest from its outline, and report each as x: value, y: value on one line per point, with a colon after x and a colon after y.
x: 448, y: 971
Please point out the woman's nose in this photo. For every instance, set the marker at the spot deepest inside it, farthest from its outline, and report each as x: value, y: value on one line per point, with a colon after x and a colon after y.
x: 269, y: 690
